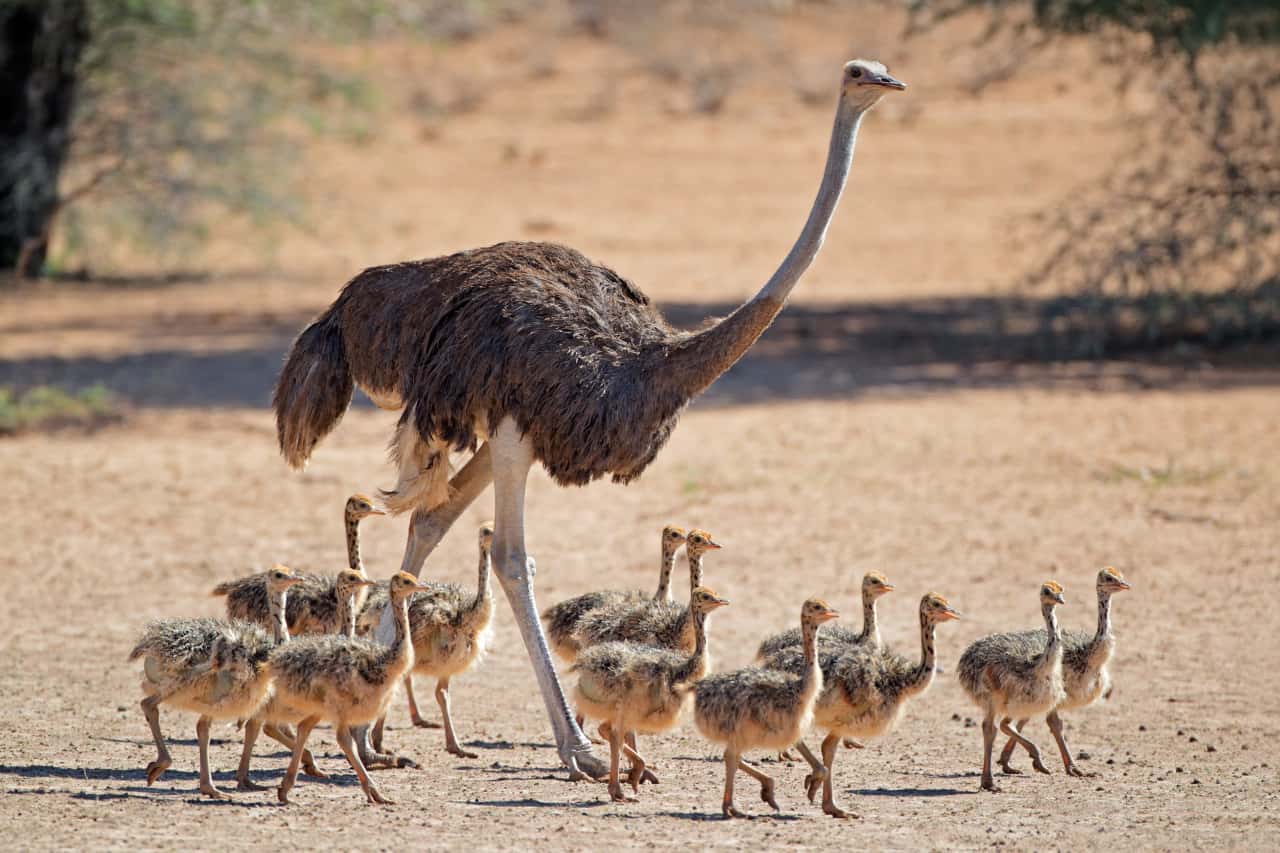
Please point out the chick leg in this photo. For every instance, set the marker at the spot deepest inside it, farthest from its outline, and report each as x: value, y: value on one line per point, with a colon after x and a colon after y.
x: 414, y: 715
x: 1030, y: 747
x: 151, y: 710
x: 299, y: 744
x: 766, y: 782
x: 371, y: 792
x: 829, y: 746
x: 206, y: 778
x: 450, y: 740
x: 988, y: 741
x: 1055, y: 726
x: 1007, y: 752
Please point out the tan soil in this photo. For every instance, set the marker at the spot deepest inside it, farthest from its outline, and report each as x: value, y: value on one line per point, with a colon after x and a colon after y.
x: 847, y: 441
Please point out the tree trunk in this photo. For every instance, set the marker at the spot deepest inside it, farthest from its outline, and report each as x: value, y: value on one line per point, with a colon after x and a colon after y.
x: 40, y: 46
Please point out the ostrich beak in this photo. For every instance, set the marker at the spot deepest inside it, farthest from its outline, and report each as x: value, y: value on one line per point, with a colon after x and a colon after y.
x: 884, y: 80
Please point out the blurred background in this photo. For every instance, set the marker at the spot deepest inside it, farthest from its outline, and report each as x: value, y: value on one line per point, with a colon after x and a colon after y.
x: 1064, y: 180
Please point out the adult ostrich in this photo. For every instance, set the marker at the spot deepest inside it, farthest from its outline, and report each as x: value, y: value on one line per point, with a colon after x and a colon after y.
x: 523, y: 353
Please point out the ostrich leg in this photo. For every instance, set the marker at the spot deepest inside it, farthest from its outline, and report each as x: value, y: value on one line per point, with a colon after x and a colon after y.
x: 426, y: 529
x: 512, y: 458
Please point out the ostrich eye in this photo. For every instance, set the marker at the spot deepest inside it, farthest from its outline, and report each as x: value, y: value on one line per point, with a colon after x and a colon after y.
x: 855, y: 73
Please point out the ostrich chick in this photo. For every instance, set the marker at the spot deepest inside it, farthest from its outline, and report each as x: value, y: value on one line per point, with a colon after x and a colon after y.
x: 213, y: 667
x: 756, y: 708
x: 563, y: 620
x: 276, y: 715
x: 345, y: 680
x: 451, y: 632
x: 1011, y: 677
x: 634, y: 688
x: 314, y: 604
x: 1085, y: 674
x: 836, y: 637
x: 864, y: 693
x: 653, y: 622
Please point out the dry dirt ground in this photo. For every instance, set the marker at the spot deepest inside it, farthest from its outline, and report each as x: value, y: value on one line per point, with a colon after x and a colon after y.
x: 865, y: 432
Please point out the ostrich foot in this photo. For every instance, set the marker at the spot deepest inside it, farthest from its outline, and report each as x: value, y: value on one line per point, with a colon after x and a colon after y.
x: 1009, y: 769
x: 835, y: 811
x: 459, y: 751
x: 422, y: 724
x: 729, y: 810
x: 247, y: 784
x: 156, y: 768
x: 309, y: 768
x: 584, y: 765
x: 1039, y: 766
x: 786, y: 756
x: 813, y: 782
x: 850, y: 743
x: 616, y: 794
x: 374, y: 797
x: 766, y: 794
x: 1073, y: 770
x: 212, y: 792
x: 388, y: 760
x: 989, y: 784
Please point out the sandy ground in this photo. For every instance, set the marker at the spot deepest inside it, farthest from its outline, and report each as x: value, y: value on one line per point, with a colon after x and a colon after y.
x: 867, y: 431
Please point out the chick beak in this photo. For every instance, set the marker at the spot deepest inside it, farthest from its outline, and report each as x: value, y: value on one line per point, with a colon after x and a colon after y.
x: 886, y: 81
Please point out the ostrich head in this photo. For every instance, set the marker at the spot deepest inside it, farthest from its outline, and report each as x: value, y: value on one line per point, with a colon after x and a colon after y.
x: 672, y: 537
x: 874, y: 585
x: 816, y: 611
x: 704, y: 600
x: 1110, y: 580
x: 1051, y: 594
x: 349, y: 580
x: 865, y: 82
x: 700, y: 541
x: 486, y: 536
x: 934, y: 608
x: 362, y: 506
x: 280, y: 578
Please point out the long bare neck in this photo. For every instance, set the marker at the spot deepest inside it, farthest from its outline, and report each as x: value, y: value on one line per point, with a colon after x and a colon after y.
x: 664, y: 573
x: 1104, y: 615
x: 347, y: 614
x: 809, y: 639
x: 870, y: 627
x: 400, y: 647
x: 279, y: 619
x: 697, y: 660
x: 1101, y: 638
x: 923, y: 676
x: 695, y: 569
x: 1051, y: 626
x: 482, y: 580
x: 353, y: 543
x: 697, y: 360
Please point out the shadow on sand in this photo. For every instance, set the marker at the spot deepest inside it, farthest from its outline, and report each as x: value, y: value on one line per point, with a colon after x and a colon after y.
x: 810, y: 352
